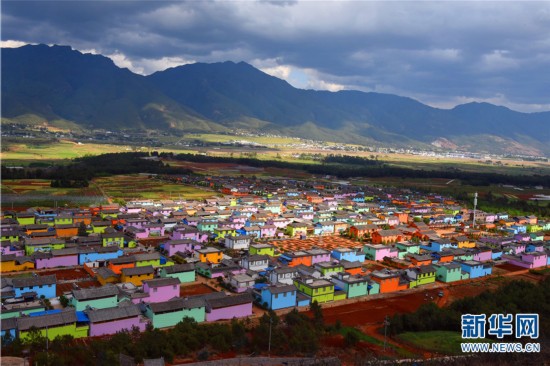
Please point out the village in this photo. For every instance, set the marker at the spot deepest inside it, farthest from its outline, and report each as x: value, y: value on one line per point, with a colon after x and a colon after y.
x: 261, y: 244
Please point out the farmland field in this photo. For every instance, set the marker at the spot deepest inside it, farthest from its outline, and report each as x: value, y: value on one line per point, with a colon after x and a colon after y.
x: 136, y: 186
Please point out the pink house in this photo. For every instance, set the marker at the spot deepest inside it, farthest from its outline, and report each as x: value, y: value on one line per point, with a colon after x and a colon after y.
x: 183, y: 245
x: 318, y: 255
x: 159, y: 290
x: 136, y: 232
x: 280, y: 223
x: 113, y: 320
x: 377, y: 252
x: 8, y: 248
x: 528, y: 260
x: 220, y: 306
x: 268, y: 231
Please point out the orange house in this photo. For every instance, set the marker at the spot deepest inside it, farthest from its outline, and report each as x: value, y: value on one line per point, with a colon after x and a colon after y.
x: 403, y: 217
x: 36, y: 228
x: 11, y: 263
x: 386, y: 236
x: 118, y: 264
x: 297, y: 258
x: 389, y: 281
x: 446, y: 257
x: 210, y: 255
x: 66, y: 231
x: 353, y: 268
x: 358, y: 231
x: 419, y: 260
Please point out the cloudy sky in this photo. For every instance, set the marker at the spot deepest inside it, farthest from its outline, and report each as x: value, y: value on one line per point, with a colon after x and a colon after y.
x: 442, y: 53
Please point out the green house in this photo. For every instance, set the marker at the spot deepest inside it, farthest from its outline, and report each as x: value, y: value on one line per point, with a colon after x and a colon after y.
x: 318, y: 289
x: 98, y: 297
x: 16, y: 310
x: 53, y: 325
x: 169, y: 313
x: 63, y: 220
x: 328, y: 269
x: 353, y: 286
x: 114, y: 238
x: 100, y: 226
x: 449, y: 272
x: 11, y: 236
x: 207, y: 225
x: 422, y: 274
x: 152, y: 259
x: 407, y: 247
x: 25, y: 218
x: 262, y: 249
x: 185, y: 272
x: 222, y: 232
x: 42, y: 244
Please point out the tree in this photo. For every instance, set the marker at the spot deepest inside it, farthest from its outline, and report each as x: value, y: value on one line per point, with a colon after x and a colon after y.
x: 318, y: 320
x: 64, y: 301
x: 82, y: 229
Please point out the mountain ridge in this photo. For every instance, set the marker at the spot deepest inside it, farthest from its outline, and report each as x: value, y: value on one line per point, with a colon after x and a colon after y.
x: 57, y: 82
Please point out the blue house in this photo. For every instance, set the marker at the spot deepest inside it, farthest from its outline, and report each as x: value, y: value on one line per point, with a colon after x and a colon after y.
x: 324, y: 227
x: 9, y: 326
x: 41, y: 285
x: 496, y: 254
x: 94, y: 254
x: 438, y: 245
x: 278, y: 297
x: 476, y: 269
x: 519, y: 229
x: 348, y: 254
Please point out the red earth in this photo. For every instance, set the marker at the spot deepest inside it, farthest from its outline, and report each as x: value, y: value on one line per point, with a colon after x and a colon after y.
x: 195, y: 289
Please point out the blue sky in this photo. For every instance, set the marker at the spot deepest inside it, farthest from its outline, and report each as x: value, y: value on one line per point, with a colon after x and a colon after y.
x: 441, y: 53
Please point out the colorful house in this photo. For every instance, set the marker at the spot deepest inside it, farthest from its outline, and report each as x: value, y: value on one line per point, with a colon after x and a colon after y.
x: 118, y: 264
x: 238, y: 242
x: 262, y: 249
x: 185, y: 272
x: 328, y: 269
x: 95, y: 298
x: 52, y: 325
x: 348, y: 254
x: 389, y: 281
x: 220, y: 306
x: 106, y: 275
x: 476, y: 269
x: 137, y: 275
x: 13, y: 263
x: 169, y: 313
x: 386, y: 236
x: 294, y: 259
x: 161, y: 289
x: 296, y: 228
x: 116, y: 319
x: 353, y: 286
x: 319, y: 290
x: 378, y: 252
x: 284, y: 275
x: 67, y: 257
x: 240, y: 282
x: 528, y: 259
x: 278, y: 297
x: 422, y: 274
x: 210, y: 255
x: 450, y: 272
x: 41, y: 285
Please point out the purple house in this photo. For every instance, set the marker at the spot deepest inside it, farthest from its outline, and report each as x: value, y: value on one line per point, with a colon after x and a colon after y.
x: 56, y: 258
x: 9, y: 248
x: 113, y: 320
x: 136, y: 232
x: 318, y: 255
x: 182, y: 245
x: 483, y: 254
x: 220, y: 306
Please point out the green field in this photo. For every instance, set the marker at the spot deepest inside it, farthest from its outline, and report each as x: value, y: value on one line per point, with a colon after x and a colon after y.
x: 370, y: 339
x: 137, y: 186
x: 444, y: 342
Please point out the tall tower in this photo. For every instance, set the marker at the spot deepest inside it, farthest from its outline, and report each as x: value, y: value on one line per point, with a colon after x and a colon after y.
x: 475, y: 205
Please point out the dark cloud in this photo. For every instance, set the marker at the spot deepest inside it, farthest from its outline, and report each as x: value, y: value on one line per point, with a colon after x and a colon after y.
x: 441, y: 53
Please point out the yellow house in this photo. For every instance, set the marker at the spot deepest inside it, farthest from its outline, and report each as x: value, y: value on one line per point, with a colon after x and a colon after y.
x: 210, y: 255
x: 464, y: 242
x: 11, y: 263
x: 137, y: 275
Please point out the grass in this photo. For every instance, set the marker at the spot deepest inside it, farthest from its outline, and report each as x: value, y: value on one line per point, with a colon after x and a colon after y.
x: 370, y: 339
x: 264, y: 140
x: 444, y: 342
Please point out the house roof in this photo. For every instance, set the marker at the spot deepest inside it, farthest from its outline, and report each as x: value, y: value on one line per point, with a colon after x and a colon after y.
x: 34, y: 281
x: 281, y: 289
x: 179, y: 268
x: 227, y: 301
x: 161, y: 282
x: 105, y: 272
x: 95, y: 293
x: 119, y: 312
x: 49, y: 320
x: 177, y: 304
x: 136, y: 271
x: 9, y: 323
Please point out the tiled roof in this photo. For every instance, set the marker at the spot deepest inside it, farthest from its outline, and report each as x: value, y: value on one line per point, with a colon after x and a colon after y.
x: 95, y: 293
x: 34, y: 281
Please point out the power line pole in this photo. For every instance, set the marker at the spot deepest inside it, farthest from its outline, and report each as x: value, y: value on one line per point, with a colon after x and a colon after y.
x: 475, y: 205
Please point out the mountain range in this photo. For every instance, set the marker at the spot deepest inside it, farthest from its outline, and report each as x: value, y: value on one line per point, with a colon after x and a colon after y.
x: 60, y: 85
